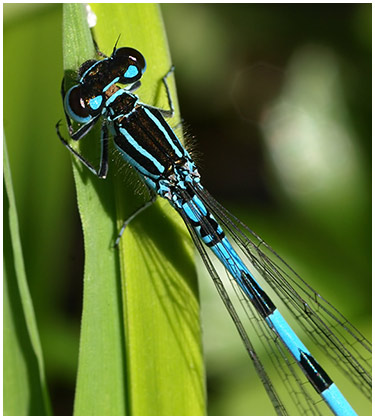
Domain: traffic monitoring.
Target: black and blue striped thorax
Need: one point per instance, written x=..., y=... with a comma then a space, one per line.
x=140, y=132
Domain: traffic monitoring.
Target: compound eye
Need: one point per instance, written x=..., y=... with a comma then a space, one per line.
x=75, y=105
x=132, y=64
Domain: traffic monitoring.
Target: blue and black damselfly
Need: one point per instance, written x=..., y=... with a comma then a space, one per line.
x=146, y=141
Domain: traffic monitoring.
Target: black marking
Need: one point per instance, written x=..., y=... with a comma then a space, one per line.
x=260, y=299
x=210, y=228
x=206, y=225
x=315, y=373
x=123, y=144
x=169, y=131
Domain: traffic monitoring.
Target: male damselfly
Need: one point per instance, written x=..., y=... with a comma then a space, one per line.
x=146, y=141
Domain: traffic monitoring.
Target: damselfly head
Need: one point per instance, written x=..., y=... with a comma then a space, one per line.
x=98, y=79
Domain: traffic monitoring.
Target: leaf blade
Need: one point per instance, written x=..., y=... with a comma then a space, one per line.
x=25, y=392
x=150, y=365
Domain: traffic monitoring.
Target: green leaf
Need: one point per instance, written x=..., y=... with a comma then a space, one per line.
x=140, y=349
x=43, y=184
x=25, y=388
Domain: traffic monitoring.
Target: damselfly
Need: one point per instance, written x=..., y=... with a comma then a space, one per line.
x=146, y=141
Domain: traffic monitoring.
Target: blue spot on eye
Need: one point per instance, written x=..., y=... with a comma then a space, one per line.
x=132, y=71
x=96, y=102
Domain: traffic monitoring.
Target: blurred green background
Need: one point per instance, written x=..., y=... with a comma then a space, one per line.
x=277, y=102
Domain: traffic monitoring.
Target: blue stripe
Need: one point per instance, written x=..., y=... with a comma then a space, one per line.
x=113, y=97
x=115, y=80
x=141, y=169
x=225, y=252
x=200, y=205
x=164, y=132
x=193, y=216
x=337, y=402
x=88, y=70
x=141, y=150
x=276, y=321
